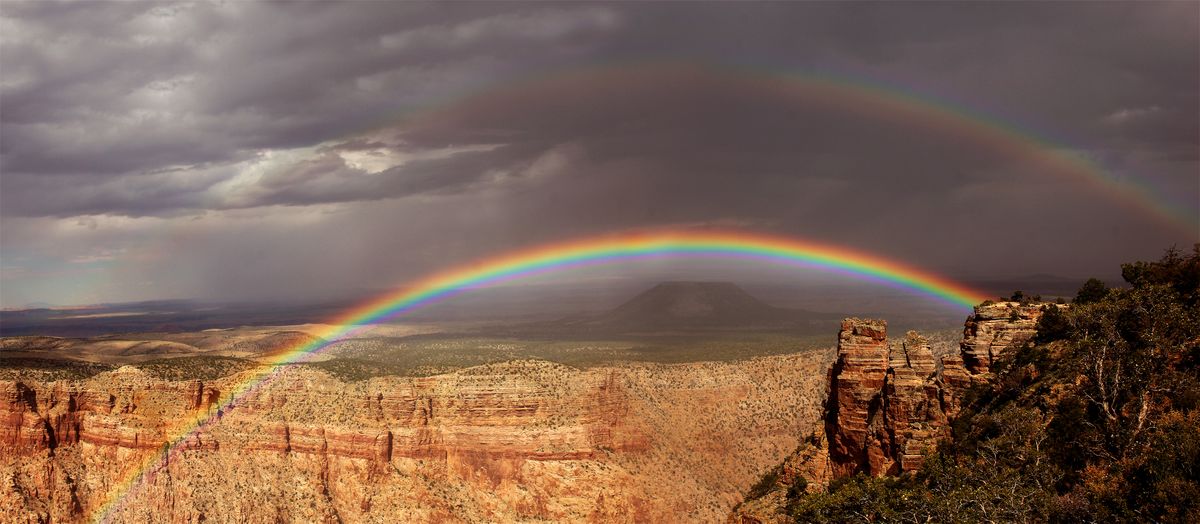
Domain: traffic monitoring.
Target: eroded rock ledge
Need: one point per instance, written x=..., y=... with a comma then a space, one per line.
x=522, y=440
x=887, y=408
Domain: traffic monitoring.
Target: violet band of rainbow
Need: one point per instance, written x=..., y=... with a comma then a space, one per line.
x=959, y=122
x=543, y=259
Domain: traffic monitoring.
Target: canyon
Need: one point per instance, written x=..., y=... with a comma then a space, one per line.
x=518, y=441
x=524, y=440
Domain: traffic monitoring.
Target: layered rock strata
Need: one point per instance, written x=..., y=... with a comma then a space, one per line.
x=887, y=409
x=505, y=442
x=993, y=329
x=856, y=381
x=914, y=410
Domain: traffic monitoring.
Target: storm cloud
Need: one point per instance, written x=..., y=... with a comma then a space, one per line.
x=254, y=149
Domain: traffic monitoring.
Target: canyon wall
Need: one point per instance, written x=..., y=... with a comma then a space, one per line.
x=518, y=441
x=995, y=327
x=888, y=406
x=885, y=405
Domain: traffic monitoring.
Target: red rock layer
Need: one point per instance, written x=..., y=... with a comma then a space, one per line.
x=993, y=329
x=513, y=441
x=913, y=413
x=855, y=385
x=955, y=381
x=886, y=409
x=61, y=416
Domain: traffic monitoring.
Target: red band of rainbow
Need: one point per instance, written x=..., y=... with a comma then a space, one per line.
x=558, y=257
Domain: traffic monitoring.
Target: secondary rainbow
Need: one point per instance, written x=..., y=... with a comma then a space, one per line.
x=853, y=94
x=548, y=258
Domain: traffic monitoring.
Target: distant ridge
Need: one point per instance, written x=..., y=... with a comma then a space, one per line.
x=691, y=306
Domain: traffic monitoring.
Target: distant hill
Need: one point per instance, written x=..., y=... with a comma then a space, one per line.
x=692, y=306
x=1037, y=284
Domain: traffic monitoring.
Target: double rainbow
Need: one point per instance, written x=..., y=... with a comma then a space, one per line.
x=852, y=94
x=558, y=257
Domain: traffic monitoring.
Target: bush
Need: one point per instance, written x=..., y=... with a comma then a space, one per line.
x=1053, y=325
x=764, y=484
x=1092, y=291
x=1180, y=272
x=1094, y=421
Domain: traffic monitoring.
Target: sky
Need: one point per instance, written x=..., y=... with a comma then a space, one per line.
x=247, y=150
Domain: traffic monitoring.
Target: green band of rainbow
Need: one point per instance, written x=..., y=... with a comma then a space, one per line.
x=557, y=257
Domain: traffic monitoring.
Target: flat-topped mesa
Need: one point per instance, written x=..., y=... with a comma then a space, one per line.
x=993, y=329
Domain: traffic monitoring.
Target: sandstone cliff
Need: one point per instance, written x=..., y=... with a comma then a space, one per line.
x=856, y=382
x=995, y=327
x=885, y=405
x=888, y=407
x=520, y=441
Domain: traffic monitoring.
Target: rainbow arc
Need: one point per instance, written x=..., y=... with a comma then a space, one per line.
x=563, y=256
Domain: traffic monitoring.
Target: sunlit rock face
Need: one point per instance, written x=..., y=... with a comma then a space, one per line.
x=886, y=406
x=914, y=414
x=505, y=442
x=995, y=328
x=856, y=384
x=890, y=405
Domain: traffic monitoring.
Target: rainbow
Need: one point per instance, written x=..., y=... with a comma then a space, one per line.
x=861, y=95
x=550, y=258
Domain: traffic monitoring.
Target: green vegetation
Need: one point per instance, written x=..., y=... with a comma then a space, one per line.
x=1021, y=298
x=353, y=369
x=203, y=367
x=1095, y=421
x=1092, y=291
x=765, y=484
x=359, y=359
x=49, y=369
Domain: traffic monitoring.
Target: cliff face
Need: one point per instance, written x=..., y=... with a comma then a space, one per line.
x=517, y=441
x=856, y=382
x=889, y=407
x=914, y=409
x=993, y=328
x=885, y=407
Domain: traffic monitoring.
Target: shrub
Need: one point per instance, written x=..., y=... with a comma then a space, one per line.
x=1092, y=291
x=1094, y=421
x=1053, y=325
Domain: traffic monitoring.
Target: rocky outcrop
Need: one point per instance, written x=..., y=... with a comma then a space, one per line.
x=994, y=328
x=889, y=407
x=514, y=441
x=886, y=406
x=884, y=411
x=34, y=420
x=914, y=414
x=808, y=469
x=856, y=382
x=955, y=381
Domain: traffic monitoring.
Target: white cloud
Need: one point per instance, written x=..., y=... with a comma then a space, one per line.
x=545, y=24
x=1127, y=115
x=379, y=159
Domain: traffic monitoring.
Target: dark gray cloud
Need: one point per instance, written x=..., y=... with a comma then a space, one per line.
x=465, y=128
